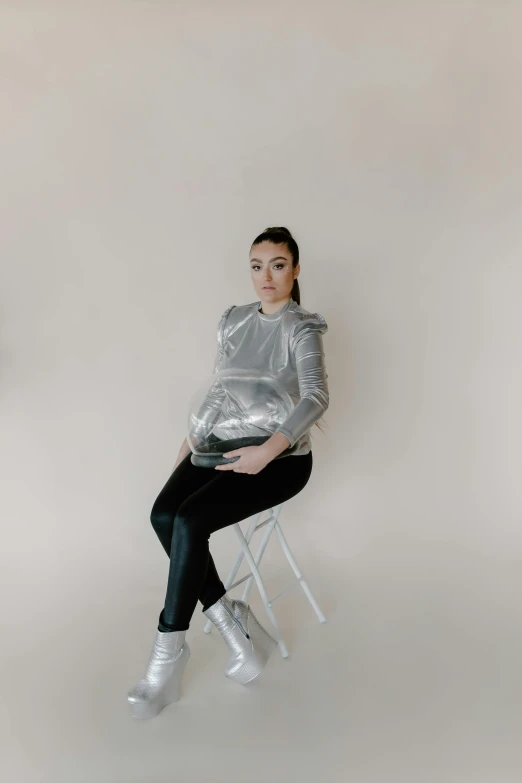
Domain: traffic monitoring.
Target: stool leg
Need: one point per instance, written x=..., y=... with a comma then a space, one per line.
x=297, y=572
x=259, y=554
x=261, y=587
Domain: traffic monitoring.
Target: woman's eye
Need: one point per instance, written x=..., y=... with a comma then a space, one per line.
x=256, y=267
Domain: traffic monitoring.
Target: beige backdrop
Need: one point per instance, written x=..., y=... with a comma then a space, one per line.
x=144, y=146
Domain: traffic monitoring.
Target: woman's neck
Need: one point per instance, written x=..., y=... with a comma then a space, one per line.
x=269, y=308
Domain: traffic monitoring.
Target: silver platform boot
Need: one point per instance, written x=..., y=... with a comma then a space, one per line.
x=162, y=682
x=249, y=643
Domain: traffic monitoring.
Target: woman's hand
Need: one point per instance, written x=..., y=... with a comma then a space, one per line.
x=252, y=459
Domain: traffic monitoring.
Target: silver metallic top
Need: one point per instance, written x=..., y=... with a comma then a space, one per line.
x=288, y=345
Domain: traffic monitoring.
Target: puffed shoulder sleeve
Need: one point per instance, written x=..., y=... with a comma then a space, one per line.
x=307, y=324
x=222, y=327
x=306, y=345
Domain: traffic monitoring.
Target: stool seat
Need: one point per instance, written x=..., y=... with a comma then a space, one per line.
x=271, y=523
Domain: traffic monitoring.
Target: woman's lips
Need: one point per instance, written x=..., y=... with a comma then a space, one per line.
x=268, y=288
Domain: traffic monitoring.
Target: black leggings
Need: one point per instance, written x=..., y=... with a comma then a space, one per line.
x=197, y=501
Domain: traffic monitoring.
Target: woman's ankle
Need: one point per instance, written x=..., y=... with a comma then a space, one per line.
x=213, y=601
x=164, y=628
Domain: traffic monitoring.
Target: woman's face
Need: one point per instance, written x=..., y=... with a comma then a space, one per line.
x=271, y=265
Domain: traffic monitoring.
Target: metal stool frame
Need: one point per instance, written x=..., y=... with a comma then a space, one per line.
x=271, y=523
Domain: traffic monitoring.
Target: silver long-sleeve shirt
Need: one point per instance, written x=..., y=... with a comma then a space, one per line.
x=288, y=345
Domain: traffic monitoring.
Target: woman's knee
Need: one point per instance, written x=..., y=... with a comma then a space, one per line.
x=161, y=519
x=188, y=526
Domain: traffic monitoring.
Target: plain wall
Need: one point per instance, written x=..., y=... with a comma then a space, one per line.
x=144, y=146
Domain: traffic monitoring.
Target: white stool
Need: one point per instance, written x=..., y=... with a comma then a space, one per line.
x=272, y=523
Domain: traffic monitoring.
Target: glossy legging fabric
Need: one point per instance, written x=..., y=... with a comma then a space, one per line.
x=196, y=502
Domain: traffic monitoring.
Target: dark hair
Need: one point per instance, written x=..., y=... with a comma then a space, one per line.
x=280, y=235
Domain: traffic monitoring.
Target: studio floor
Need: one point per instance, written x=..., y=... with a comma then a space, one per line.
x=412, y=678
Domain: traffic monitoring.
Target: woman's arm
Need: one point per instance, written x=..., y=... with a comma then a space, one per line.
x=205, y=417
x=203, y=420
x=307, y=346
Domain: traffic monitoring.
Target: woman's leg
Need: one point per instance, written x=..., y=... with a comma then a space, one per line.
x=228, y=497
x=184, y=481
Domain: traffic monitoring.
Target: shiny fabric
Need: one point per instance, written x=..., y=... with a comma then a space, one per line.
x=288, y=345
x=249, y=643
x=197, y=501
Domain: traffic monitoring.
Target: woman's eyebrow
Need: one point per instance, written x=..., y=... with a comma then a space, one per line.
x=276, y=258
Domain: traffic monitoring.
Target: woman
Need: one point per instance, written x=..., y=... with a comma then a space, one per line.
x=277, y=335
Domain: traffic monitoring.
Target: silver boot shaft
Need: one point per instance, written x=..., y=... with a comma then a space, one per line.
x=249, y=643
x=162, y=682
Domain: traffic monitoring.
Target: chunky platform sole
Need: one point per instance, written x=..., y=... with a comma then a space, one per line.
x=263, y=645
x=143, y=708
